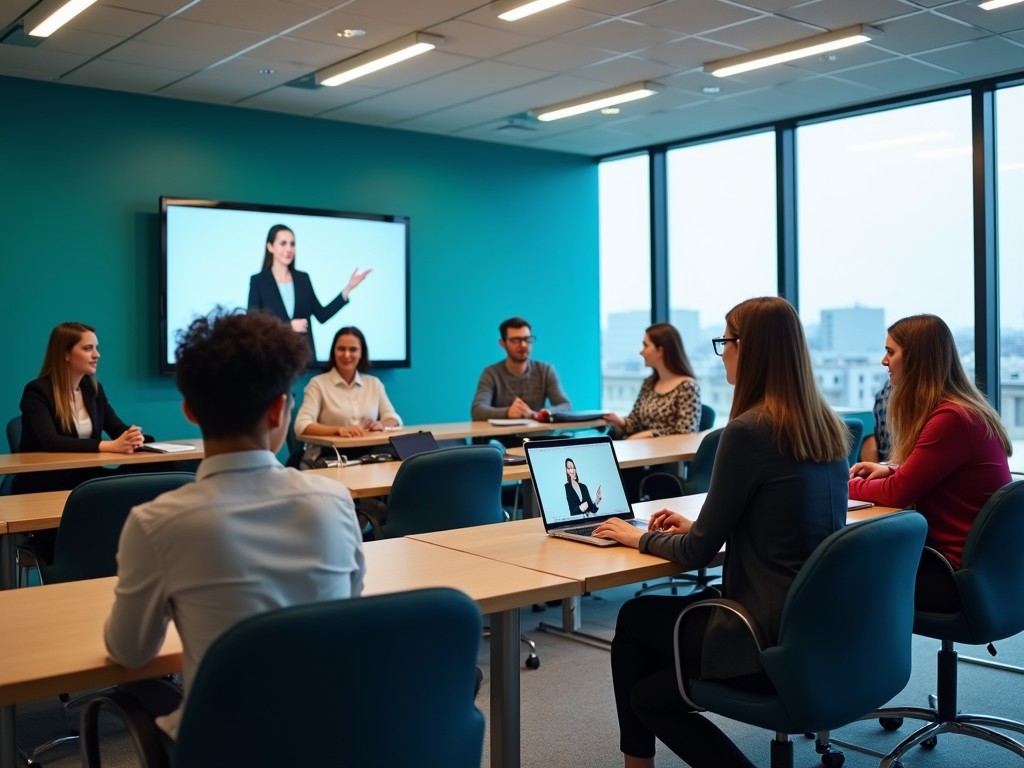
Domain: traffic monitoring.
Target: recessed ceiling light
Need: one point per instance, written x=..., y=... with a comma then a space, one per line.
x=352, y=33
x=610, y=111
x=268, y=71
x=711, y=90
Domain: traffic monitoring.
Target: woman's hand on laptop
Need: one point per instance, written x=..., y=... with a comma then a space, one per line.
x=619, y=530
x=667, y=521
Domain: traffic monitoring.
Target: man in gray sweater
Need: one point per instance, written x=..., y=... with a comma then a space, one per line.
x=517, y=387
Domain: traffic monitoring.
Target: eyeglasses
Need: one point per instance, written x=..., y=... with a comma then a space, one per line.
x=719, y=343
x=520, y=339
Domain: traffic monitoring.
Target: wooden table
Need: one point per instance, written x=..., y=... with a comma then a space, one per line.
x=454, y=430
x=58, y=645
x=15, y=463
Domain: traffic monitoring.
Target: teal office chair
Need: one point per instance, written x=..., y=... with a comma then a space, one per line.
x=87, y=538
x=856, y=427
x=439, y=490
x=990, y=584
x=296, y=682
x=665, y=485
x=13, y=446
x=457, y=487
x=827, y=670
x=707, y=417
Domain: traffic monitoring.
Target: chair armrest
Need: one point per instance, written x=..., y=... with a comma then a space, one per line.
x=756, y=635
x=938, y=560
x=365, y=516
x=151, y=744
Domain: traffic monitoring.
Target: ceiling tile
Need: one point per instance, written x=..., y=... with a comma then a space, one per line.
x=617, y=35
x=121, y=76
x=1000, y=20
x=693, y=17
x=836, y=14
x=984, y=57
x=924, y=31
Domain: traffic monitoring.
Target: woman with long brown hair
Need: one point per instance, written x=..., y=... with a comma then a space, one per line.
x=66, y=410
x=669, y=399
x=777, y=491
x=949, y=451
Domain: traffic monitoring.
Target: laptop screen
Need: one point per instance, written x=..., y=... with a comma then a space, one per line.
x=551, y=464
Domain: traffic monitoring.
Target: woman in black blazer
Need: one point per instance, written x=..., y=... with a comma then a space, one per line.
x=576, y=494
x=65, y=410
x=279, y=279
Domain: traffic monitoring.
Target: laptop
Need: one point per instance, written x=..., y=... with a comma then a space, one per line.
x=596, y=467
x=412, y=443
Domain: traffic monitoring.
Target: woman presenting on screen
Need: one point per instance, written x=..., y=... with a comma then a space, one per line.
x=283, y=291
x=577, y=496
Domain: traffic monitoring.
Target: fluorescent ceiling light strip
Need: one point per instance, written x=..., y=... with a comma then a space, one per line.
x=55, y=20
x=514, y=10
x=991, y=5
x=811, y=46
x=597, y=101
x=378, y=58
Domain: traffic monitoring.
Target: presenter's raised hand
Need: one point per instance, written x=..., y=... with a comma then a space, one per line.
x=597, y=499
x=354, y=281
x=300, y=325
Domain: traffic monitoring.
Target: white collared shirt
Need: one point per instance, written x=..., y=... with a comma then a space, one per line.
x=329, y=399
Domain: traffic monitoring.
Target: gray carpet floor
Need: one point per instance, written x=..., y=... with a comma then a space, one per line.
x=568, y=715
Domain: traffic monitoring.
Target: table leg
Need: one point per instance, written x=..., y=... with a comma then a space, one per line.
x=8, y=561
x=505, y=744
x=8, y=745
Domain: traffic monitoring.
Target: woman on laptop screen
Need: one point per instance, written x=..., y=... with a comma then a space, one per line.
x=345, y=401
x=577, y=496
x=778, y=489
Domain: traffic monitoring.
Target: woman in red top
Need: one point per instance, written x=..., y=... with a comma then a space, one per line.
x=949, y=448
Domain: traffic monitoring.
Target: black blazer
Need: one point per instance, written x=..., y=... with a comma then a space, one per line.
x=41, y=432
x=574, y=501
x=265, y=295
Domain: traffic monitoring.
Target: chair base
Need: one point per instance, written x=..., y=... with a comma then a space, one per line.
x=695, y=582
x=944, y=718
x=977, y=726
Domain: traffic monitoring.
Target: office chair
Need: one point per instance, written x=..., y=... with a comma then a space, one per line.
x=13, y=446
x=856, y=427
x=827, y=670
x=87, y=538
x=455, y=487
x=990, y=584
x=664, y=485
x=315, y=700
x=707, y=417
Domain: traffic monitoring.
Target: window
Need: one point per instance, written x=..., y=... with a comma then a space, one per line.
x=625, y=242
x=1010, y=189
x=722, y=245
x=885, y=230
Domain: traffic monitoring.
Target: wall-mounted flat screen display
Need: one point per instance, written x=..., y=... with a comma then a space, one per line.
x=216, y=254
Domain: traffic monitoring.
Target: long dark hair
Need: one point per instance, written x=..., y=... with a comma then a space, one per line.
x=774, y=377
x=63, y=339
x=931, y=374
x=666, y=337
x=271, y=237
x=364, y=360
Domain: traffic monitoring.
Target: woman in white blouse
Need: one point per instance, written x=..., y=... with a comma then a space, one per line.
x=345, y=401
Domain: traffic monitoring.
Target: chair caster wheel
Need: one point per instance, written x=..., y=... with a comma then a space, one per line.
x=891, y=723
x=533, y=661
x=833, y=759
x=929, y=743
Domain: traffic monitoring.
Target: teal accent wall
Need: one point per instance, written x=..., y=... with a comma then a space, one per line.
x=496, y=231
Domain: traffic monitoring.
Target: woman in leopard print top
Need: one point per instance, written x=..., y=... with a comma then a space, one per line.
x=669, y=400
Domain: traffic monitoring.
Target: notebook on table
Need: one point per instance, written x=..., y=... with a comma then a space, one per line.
x=596, y=467
x=569, y=417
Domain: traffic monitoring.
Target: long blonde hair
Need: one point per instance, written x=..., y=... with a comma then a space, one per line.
x=931, y=374
x=774, y=378
x=63, y=339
